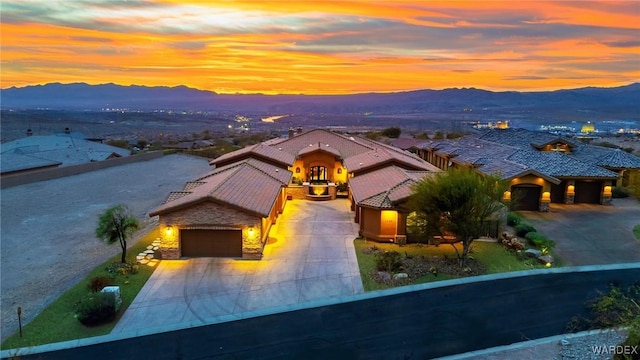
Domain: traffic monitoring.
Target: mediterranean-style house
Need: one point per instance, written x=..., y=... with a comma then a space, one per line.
x=229, y=211
x=542, y=167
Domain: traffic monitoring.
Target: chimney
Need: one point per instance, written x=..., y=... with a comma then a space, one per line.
x=67, y=130
x=291, y=133
x=29, y=132
x=299, y=130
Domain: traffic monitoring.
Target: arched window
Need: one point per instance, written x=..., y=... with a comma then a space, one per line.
x=298, y=170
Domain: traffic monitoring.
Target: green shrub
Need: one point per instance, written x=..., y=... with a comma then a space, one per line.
x=513, y=219
x=388, y=261
x=539, y=241
x=97, y=308
x=523, y=229
x=633, y=340
x=99, y=282
x=619, y=192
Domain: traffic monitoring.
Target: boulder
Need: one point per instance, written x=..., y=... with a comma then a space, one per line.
x=384, y=275
x=401, y=276
x=545, y=259
x=533, y=253
x=115, y=290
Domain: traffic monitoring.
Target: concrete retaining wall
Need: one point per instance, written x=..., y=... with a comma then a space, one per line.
x=421, y=321
x=48, y=174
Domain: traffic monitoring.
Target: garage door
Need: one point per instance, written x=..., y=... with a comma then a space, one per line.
x=588, y=192
x=526, y=197
x=211, y=243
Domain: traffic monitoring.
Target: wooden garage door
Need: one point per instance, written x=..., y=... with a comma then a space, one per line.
x=526, y=197
x=588, y=192
x=211, y=243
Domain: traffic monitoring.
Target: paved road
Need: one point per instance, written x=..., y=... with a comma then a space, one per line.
x=47, y=233
x=309, y=256
x=588, y=234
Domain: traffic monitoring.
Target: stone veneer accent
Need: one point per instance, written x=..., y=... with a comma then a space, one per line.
x=605, y=199
x=569, y=199
x=207, y=215
x=544, y=206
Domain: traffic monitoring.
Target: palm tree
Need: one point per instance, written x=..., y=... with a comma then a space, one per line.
x=117, y=224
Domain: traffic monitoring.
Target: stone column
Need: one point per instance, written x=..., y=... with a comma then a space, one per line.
x=544, y=206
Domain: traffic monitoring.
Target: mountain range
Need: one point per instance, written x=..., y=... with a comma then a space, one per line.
x=81, y=96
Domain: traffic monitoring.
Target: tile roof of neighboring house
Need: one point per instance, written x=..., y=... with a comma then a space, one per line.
x=512, y=153
x=559, y=165
x=405, y=143
x=606, y=157
x=250, y=185
x=11, y=162
x=260, y=151
x=385, y=187
x=522, y=137
x=65, y=149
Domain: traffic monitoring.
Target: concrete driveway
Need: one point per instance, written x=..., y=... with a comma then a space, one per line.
x=309, y=256
x=588, y=234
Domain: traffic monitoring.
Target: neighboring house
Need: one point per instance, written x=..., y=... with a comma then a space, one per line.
x=65, y=149
x=229, y=212
x=543, y=168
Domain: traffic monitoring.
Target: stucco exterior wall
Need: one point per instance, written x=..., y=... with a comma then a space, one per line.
x=381, y=225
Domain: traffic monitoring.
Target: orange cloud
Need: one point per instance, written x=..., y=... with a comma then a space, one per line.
x=322, y=48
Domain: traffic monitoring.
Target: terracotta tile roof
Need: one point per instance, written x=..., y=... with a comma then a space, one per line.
x=250, y=185
x=261, y=150
x=559, y=165
x=383, y=154
x=405, y=143
x=385, y=187
x=345, y=146
x=319, y=147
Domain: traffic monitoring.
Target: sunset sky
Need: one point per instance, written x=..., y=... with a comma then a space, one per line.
x=321, y=47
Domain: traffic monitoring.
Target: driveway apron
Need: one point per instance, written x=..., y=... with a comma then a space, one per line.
x=309, y=255
x=587, y=234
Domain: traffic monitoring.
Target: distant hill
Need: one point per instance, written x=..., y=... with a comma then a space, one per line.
x=81, y=96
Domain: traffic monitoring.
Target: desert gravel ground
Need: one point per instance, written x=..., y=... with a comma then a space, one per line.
x=47, y=229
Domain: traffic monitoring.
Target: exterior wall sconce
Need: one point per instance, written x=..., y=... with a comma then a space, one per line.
x=339, y=170
x=251, y=232
x=298, y=170
x=168, y=230
x=506, y=196
x=571, y=190
x=546, y=196
x=607, y=190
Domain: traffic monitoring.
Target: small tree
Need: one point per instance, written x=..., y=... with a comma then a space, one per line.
x=392, y=132
x=459, y=201
x=117, y=224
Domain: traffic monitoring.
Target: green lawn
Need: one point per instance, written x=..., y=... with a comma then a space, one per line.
x=494, y=256
x=57, y=323
x=636, y=231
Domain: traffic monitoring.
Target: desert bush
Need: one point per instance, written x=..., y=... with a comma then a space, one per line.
x=539, y=241
x=633, y=340
x=513, y=219
x=523, y=229
x=97, y=308
x=388, y=261
x=99, y=282
x=619, y=192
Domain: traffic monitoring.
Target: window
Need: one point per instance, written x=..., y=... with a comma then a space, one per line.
x=318, y=173
x=298, y=170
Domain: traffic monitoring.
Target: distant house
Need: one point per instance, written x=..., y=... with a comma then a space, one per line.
x=65, y=149
x=543, y=168
x=229, y=211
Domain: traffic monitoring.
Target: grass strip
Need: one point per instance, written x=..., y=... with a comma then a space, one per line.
x=57, y=322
